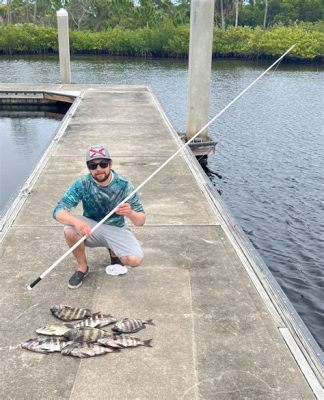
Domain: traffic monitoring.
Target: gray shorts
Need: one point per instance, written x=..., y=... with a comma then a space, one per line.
x=120, y=240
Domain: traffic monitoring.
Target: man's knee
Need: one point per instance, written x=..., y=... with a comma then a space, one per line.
x=132, y=261
x=71, y=234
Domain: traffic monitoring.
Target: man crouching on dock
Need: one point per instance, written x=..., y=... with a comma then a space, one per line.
x=100, y=192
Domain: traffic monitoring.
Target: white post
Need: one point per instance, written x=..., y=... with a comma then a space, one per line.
x=64, y=45
x=200, y=57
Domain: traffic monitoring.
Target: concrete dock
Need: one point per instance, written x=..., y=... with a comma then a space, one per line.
x=216, y=337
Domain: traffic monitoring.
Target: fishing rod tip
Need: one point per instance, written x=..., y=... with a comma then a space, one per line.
x=29, y=288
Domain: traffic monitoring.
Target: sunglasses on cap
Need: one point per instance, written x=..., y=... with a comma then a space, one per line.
x=102, y=164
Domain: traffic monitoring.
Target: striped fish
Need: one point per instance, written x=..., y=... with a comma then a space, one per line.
x=127, y=325
x=54, y=330
x=84, y=350
x=124, y=341
x=90, y=335
x=68, y=313
x=44, y=345
x=97, y=320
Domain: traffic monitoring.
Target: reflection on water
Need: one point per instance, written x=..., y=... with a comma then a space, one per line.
x=270, y=153
x=22, y=144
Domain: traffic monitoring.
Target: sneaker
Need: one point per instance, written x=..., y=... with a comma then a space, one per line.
x=115, y=259
x=76, y=279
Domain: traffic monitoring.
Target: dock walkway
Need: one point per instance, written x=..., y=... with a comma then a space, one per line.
x=214, y=338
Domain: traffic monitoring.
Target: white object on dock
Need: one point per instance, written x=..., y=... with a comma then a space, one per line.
x=116, y=269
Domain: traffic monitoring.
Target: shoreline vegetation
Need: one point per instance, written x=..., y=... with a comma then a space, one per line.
x=169, y=41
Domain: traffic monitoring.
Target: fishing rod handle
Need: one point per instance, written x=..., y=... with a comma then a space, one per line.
x=34, y=283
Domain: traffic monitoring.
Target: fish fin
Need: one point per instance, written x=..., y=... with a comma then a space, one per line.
x=147, y=343
x=149, y=322
x=105, y=323
x=101, y=325
x=112, y=320
x=69, y=325
x=105, y=315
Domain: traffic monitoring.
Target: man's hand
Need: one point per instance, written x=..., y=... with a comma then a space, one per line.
x=65, y=217
x=83, y=228
x=124, y=209
x=137, y=218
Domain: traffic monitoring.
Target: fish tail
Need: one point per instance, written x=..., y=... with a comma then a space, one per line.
x=147, y=343
x=88, y=312
x=149, y=322
x=96, y=314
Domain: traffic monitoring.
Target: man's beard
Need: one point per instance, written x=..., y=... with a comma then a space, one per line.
x=100, y=180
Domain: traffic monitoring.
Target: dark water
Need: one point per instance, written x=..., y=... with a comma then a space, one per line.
x=270, y=153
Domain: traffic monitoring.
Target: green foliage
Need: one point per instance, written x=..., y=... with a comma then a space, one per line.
x=309, y=44
x=248, y=42
x=116, y=41
x=152, y=42
x=286, y=12
x=86, y=42
x=233, y=41
x=100, y=15
x=317, y=26
x=168, y=40
x=27, y=38
x=178, y=44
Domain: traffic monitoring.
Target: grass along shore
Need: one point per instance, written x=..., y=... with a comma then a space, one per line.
x=170, y=41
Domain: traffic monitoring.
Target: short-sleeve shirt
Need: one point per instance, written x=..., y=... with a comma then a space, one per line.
x=98, y=201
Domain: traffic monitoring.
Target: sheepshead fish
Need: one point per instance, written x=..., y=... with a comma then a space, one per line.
x=90, y=335
x=44, y=345
x=68, y=313
x=97, y=320
x=54, y=330
x=127, y=325
x=124, y=341
x=84, y=350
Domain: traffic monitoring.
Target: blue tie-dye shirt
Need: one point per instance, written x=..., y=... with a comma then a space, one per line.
x=98, y=200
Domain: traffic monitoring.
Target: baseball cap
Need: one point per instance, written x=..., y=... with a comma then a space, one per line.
x=96, y=151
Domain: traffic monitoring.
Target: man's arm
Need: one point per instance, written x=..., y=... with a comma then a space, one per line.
x=62, y=212
x=137, y=218
x=67, y=218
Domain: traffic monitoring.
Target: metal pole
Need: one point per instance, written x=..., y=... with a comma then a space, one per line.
x=200, y=57
x=64, y=45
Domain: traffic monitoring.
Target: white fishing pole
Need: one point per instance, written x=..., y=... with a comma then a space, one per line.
x=29, y=287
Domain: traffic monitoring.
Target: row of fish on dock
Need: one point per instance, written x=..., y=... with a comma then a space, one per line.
x=80, y=334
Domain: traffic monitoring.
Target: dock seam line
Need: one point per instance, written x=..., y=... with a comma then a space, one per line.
x=194, y=347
